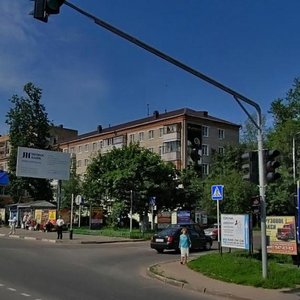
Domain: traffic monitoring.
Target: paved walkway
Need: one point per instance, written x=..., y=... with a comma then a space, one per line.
x=170, y=272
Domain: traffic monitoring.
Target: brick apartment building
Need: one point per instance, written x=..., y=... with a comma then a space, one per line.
x=172, y=135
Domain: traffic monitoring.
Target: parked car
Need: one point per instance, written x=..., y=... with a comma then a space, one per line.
x=212, y=231
x=168, y=239
x=189, y=226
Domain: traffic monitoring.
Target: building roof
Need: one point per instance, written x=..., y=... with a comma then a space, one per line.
x=154, y=118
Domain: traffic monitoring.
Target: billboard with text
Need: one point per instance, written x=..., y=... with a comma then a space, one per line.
x=37, y=163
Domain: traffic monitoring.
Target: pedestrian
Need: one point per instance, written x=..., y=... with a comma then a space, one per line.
x=184, y=245
x=12, y=224
x=59, y=227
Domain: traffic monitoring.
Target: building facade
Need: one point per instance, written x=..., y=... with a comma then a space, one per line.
x=174, y=135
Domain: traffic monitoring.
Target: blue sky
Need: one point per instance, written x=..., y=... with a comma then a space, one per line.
x=90, y=76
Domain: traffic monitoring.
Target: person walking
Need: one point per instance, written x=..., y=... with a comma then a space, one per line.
x=59, y=223
x=13, y=224
x=184, y=245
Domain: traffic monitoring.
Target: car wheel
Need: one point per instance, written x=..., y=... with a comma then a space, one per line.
x=160, y=250
x=207, y=246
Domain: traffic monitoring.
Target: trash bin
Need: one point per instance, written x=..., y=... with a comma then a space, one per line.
x=71, y=234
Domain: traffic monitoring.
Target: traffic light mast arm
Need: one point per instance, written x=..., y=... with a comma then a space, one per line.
x=217, y=84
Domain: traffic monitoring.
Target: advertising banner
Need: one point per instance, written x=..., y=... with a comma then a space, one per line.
x=183, y=216
x=97, y=217
x=164, y=219
x=281, y=232
x=235, y=231
x=37, y=163
x=194, y=141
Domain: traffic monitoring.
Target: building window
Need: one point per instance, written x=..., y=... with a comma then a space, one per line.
x=221, y=150
x=80, y=149
x=151, y=149
x=78, y=163
x=205, y=151
x=72, y=150
x=86, y=162
x=94, y=146
x=171, y=147
x=118, y=140
x=131, y=138
x=205, y=131
x=150, y=134
x=65, y=150
x=170, y=128
x=161, y=132
x=205, y=169
x=141, y=136
x=221, y=134
x=86, y=147
x=101, y=144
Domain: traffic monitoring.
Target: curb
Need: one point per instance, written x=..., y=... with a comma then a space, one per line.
x=185, y=285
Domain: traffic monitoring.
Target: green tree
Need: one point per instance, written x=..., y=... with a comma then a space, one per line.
x=112, y=176
x=71, y=186
x=226, y=170
x=287, y=108
x=28, y=127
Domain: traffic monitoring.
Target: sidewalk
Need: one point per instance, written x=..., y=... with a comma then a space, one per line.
x=181, y=276
x=51, y=237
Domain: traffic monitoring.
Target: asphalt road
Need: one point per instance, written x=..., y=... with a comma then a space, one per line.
x=41, y=271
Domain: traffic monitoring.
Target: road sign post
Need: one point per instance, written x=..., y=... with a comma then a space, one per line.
x=217, y=194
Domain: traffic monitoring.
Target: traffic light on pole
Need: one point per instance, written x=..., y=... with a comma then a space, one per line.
x=271, y=165
x=44, y=8
x=250, y=166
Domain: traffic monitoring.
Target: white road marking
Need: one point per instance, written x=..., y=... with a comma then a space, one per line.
x=25, y=295
x=11, y=289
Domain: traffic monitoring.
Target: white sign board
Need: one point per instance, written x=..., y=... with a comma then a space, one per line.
x=235, y=231
x=46, y=164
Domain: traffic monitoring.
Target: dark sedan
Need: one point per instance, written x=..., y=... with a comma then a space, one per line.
x=168, y=239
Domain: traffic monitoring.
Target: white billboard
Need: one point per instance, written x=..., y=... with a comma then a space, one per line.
x=46, y=164
x=235, y=231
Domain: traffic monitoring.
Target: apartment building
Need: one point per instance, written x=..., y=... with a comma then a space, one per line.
x=172, y=135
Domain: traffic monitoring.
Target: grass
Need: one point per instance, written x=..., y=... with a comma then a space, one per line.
x=241, y=268
x=120, y=232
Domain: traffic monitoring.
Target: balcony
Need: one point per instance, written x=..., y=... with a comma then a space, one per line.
x=171, y=156
x=172, y=136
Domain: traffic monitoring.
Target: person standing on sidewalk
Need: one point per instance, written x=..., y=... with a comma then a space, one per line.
x=59, y=224
x=184, y=245
x=13, y=224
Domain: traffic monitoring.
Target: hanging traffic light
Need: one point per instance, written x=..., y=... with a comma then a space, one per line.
x=44, y=8
x=250, y=166
x=271, y=165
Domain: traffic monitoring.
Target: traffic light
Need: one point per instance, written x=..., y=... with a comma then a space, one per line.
x=271, y=165
x=44, y=8
x=250, y=166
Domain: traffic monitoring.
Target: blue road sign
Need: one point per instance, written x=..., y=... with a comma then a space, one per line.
x=217, y=192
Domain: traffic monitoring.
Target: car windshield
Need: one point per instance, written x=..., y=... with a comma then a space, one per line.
x=168, y=231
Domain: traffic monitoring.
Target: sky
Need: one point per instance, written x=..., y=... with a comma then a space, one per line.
x=90, y=76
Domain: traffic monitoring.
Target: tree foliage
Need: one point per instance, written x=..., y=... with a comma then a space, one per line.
x=113, y=175
x=28, y=127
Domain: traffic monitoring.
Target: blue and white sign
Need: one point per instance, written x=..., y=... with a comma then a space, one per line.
x=217, y=192
x=152, y=201
x=235, y=231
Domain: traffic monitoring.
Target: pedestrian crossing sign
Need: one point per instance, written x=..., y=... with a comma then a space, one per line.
x=217, y=192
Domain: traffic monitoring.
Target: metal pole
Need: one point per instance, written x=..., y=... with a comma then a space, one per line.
x=218, y=222
x=236, y=95
x=131, y=195
x=262, y=192
x=79, y=217
x=294, y=160
x=71, y=218
x=298, y=209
